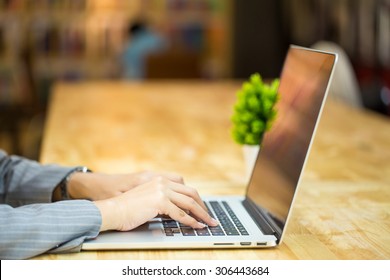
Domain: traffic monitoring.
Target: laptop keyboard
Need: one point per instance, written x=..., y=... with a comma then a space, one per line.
x=229, y=224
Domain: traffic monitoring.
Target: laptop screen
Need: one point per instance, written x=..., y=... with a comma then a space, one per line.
x=303, y=84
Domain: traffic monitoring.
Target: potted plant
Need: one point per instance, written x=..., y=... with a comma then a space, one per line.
x=253, y=114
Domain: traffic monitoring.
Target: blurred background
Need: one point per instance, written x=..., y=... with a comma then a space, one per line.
x=45, y=41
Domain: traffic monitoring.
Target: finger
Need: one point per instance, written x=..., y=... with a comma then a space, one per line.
x=188, y=203
x=181, y=216
x=173, y=177
x=149, y=175
x=190, y=192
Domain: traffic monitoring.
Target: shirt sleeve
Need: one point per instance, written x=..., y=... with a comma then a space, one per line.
x=29, y=223
x=30, y=230
x=24, y=181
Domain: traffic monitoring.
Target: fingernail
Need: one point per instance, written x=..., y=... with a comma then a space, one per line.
x=214, y=222
x=201, y=225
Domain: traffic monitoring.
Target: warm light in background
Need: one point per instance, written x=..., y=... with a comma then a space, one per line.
x=45, y=41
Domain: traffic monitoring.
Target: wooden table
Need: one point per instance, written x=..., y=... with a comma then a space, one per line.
x=342, y=209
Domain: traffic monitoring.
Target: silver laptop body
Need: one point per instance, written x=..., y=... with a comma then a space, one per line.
x=259, y=219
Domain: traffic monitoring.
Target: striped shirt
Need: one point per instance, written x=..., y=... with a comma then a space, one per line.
x=29, y=223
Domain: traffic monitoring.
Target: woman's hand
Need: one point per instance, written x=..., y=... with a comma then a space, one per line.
x=98, y=186
x=159, y=196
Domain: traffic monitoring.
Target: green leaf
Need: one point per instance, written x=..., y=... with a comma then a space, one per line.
x=267, y=107
x=251, y=139
x=256, y=79
x=248, y=88
x=240, y=106
x=236, y=118
x=239, y=138
x=275, y=85
x=242, y=128
x=247, y=117
x=254, y=104
x=258, y=126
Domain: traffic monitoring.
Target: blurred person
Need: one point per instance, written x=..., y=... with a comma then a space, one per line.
x=142, y=41
x=51, y=208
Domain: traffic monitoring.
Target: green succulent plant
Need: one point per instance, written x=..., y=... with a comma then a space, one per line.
x=254, y=110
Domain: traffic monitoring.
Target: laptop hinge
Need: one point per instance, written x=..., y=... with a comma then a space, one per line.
x=263, y=219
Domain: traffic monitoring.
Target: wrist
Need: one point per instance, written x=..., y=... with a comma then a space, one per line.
x=79, y=185
x=62, y=190
x=91, y=186
x=107, y=210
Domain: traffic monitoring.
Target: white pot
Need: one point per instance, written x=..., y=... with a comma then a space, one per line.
x=250, y=155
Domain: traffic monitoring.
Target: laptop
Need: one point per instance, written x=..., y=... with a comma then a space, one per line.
x=258, y=219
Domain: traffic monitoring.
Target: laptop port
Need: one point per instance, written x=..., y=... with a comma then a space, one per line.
x=261, y=243
x=245, y=243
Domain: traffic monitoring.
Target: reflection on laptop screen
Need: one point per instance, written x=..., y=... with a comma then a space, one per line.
x=303, y=85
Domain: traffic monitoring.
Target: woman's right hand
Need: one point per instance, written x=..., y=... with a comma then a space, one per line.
x=159, y=196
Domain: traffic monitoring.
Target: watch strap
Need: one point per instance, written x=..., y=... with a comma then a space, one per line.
x=64, y=183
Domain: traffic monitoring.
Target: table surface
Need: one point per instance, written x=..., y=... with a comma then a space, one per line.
x=342, y=208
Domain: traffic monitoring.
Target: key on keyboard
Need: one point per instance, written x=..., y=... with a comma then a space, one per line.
x=229, y=224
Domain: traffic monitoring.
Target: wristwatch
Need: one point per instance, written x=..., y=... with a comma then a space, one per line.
x=64, y=183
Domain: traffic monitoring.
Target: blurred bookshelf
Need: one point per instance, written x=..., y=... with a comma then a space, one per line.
x=43, y=41
x=83, y=39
